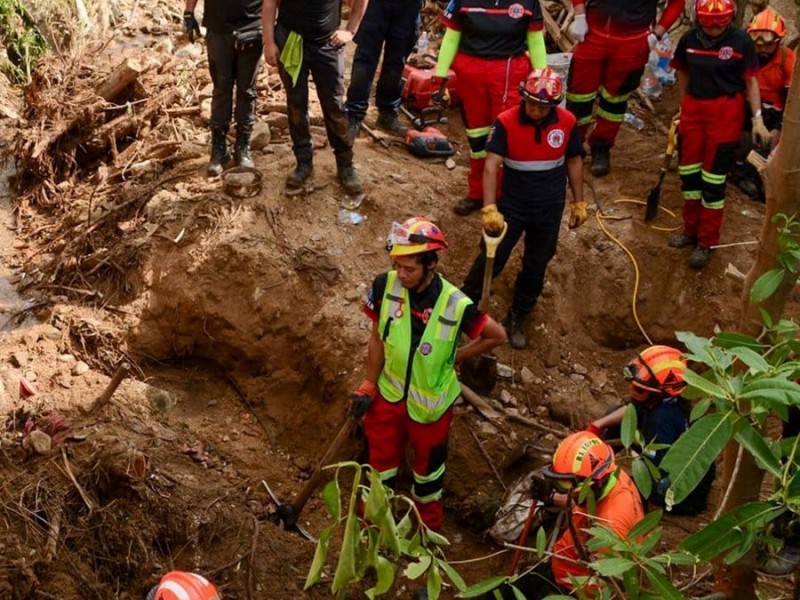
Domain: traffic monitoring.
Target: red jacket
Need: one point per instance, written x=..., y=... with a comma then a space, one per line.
x=775, y=77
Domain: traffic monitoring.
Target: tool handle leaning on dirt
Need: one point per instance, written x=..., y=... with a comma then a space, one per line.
x=654, y=197
x=121, y=373
x=371, y=132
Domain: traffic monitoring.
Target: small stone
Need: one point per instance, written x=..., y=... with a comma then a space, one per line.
x=277, y=120
x=260, y=137
x=450, y=164
x=507, y=398
x=80, y=368
x=487, y=429
x=551, y=357
x=49, y=332
x=31, y=376
x=527, y=375
x=40, y=442
x=538, y=381
x=579, y=369
x=212, y=403
x=226, y=438
x=576, y=377
x=302, y=463
x=19, y=358
x=457, y=538
x=66, y=358
x=504, y=371
x=352, y=295
x=542, y=412
x=205, y=110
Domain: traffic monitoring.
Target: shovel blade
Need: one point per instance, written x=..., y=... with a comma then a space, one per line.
x=480, y=373
x=653, y=199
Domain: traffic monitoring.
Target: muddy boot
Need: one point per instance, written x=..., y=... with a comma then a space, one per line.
x=219, y=152
x=681, y=240
x=300, y=176
x=349, y=179
x=241, y=150
x=700, y=257
x=515, y=329
x=389, y=123
x=467, y=206
x=601, y=159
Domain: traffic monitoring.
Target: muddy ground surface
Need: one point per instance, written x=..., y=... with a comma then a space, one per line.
x=241, y=320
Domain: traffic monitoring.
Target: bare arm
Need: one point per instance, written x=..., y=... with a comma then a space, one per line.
x=189, y=5
x=490, y=168
x=344, y=36
x=610, y=420
x=375, y=356
x=268, y=11
x=575, y=177
x=683, y=83
x=492, y=336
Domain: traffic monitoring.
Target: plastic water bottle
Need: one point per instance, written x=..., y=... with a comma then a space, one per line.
x=634, y=121
x=660, y=58
x=423, y=43
x=650, y=84
x=350, y=217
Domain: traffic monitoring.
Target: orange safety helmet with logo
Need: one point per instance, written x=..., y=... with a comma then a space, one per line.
x=659, y=370
x=767, y=27
x=580, y=456
x=415, y=236
x=715, y=13
x=180, y=585
x=543, y=87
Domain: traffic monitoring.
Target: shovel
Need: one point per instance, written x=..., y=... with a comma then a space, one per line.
x=289, y=514
x=654, y=197
x=481, y=373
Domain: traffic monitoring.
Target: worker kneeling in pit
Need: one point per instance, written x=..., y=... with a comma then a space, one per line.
x=539, y=146
x=581, y=459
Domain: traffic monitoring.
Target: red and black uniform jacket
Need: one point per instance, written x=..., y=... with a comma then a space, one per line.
x=628, y=17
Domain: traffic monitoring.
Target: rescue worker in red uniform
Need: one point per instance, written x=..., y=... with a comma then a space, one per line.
x=181, y=585
x=581, y=459
x=538, y=146
x=716, y=65
x=485, y=43
x=767, y=30
x=608, y=62
x=410, y=383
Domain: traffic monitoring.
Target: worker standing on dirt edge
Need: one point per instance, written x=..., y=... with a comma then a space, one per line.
x=410, y=383
x=307, y=40
x=767, y=30
x=234, y=51
x=392, y=25
x=716, y=63
x=485, y=42
x=181, y=585
x=580, y=459
x=614, y=39
x=539, y=147
x=657, y=379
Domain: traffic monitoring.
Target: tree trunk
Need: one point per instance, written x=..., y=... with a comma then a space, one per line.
x=782, y=185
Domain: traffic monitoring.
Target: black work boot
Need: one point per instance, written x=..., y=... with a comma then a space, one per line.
x=349, y=179
x=681, y=240
x=467, y=206
x=601, y=158
x=700, y=257
x=515, y=329
x=388, y=122
x=241, y=150
x=219, y=152
x=301, y=174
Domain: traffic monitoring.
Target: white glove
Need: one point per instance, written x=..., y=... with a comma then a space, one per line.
x=579, y=28
x=652, y=40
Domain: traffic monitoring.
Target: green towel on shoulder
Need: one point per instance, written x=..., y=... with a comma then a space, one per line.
x=292, y=55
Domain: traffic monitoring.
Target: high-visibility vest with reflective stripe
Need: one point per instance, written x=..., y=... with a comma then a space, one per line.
x=430, y=385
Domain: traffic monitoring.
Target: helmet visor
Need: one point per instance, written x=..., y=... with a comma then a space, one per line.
x=763, y=37
x=722, y=20
x=543, y=90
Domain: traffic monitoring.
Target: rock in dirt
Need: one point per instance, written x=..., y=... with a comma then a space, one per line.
x=504, y=371
x=261, y=136
x=352, y=295
x=66, y=358
x=19, y=359
x=39, y=442
x=579, y=369
x=507, y=398
x=159, y=400
x=302, y=463
x=31, y=376
x=48, y=332
x=277, y=120
x=80, y=368
x=551, y=357
x=527, y=375
x=205, y=110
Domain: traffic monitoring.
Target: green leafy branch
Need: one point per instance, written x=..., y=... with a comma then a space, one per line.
x=788, y=258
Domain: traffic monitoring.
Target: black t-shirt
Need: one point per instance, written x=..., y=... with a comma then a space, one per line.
x=315, y=20
x=422, y=305
x=226, y=16
x=493, y=28
x=719, y=67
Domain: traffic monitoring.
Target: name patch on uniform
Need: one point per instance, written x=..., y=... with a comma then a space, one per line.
x=516, y=11
x=556, y=138
x=425, y=349
x=725, y=53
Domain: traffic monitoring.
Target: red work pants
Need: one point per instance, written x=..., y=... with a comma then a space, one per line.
x=709, y=135
x=388, y=430
x=611, y=66
x=486, y=87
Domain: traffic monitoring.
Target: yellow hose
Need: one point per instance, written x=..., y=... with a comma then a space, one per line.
x=600, y=217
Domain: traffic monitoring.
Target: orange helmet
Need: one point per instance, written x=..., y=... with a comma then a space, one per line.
x=415, y=236
x=767, y=26
x=581, y=456
x=180, y=585
x=658, y=369
x=715, y=13
x=543, y=87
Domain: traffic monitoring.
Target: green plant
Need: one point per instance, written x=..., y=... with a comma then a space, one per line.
x=788, y=258
x=23, y=43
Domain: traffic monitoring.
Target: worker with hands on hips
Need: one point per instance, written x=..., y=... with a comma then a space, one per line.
x=485, y=43
x=614, y=39
x=410, y=383
x=538, y=145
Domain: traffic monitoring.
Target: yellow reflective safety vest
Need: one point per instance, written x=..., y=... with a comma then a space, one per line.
x=429, y=383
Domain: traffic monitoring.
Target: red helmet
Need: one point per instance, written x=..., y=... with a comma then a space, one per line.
x=180, y=585
x=715, y=13
x=581, y=456
x=659, y=369
x=542, y=86
x=767, y=26
x=415, y=236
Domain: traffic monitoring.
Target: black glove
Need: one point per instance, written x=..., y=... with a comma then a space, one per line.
x=359, y=403
x=540, y=488
x=190, y=26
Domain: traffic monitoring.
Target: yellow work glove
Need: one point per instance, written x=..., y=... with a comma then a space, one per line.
x=761, y=137
x=493, y=220
x=577, y=214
